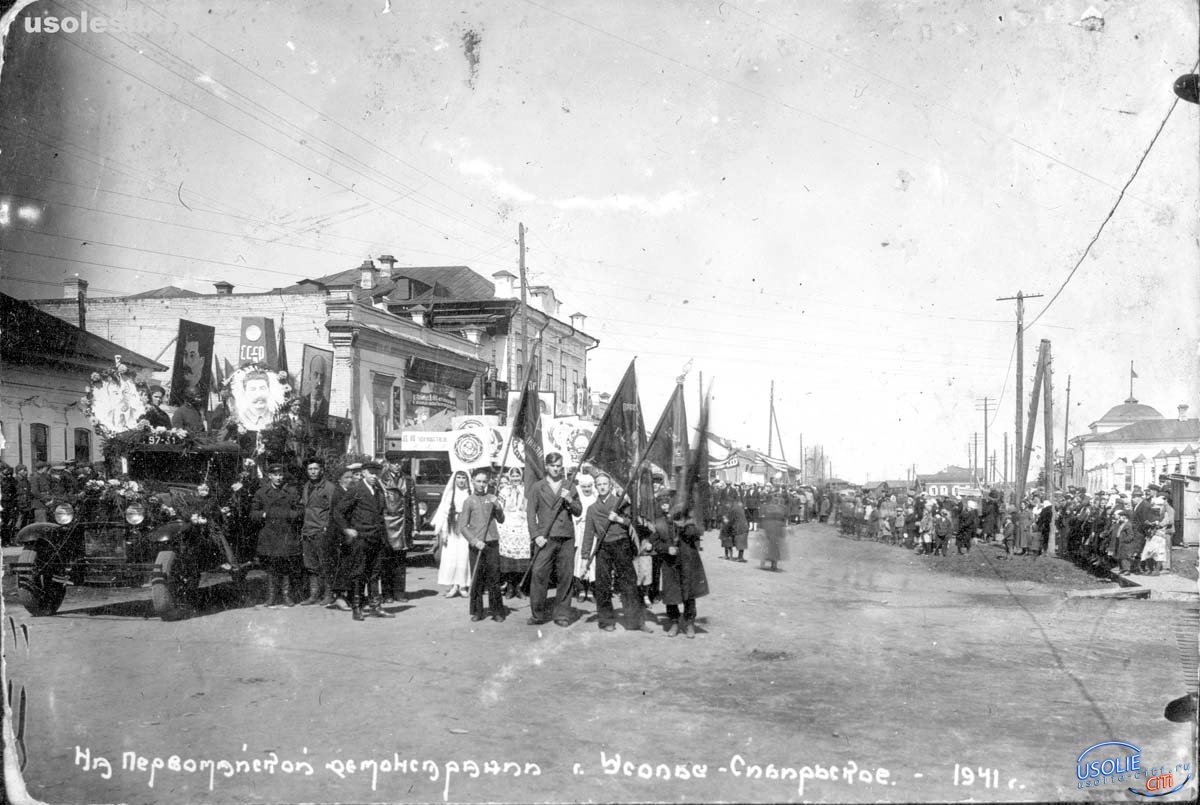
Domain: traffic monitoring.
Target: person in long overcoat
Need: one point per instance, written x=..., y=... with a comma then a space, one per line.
x=990, y=518
x=735, y=530
x=676, y=540
x=774, y=526
x=277, y=506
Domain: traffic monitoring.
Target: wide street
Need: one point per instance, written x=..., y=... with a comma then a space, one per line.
x=857, y=674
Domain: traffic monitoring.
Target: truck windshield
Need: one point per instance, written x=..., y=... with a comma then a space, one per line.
x=432, y=471
x=174, y=468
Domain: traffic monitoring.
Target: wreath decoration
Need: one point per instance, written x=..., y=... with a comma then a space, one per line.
x=113, y=400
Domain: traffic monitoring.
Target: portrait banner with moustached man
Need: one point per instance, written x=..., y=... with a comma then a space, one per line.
x=191, y=375
x=315, y=383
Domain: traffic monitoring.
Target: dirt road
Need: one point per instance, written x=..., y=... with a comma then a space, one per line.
x=859, y=673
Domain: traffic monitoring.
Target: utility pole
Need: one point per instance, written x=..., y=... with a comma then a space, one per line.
x=771, y=421
x=803, y=469
x=1048, y=428
x=1027, y=449
x=986, y=400
x=1020, y=429
x=526, y=358
x=1066, y=430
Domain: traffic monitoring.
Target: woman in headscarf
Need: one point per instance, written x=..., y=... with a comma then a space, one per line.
x=514, y=535
x=454, y=570
x=585, y=574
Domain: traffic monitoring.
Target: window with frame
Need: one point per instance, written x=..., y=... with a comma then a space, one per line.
x=39, y=442
x=83, y=445
x=562, y=383
x=549, y=376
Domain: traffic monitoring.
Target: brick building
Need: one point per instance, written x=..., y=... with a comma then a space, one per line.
x=407, y=345
x=454, y=299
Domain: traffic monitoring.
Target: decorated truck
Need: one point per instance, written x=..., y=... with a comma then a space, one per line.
x=169, y=504
x=169, y=519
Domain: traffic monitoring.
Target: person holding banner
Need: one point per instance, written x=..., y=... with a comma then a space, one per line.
x=480, y=514
x=454, y=569
x=549, y=509
x=606, y=540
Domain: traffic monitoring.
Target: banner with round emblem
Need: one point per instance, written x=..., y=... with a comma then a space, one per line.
x=471, y=448
x=569, y=436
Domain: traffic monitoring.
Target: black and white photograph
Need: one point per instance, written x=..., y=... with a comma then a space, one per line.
x=276, y=278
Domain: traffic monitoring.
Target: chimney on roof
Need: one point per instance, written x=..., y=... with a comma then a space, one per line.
x=418, y=315
x=223, y=288
x=368, y=274
x=578, y=320
x=504, y=285
x=389, y=263
x=1183, y=409
x=76, y=288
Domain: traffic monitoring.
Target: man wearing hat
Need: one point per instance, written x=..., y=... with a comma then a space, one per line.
x=358, y=520
x=155, y=415
x=40, y=492
x=1141, y=521
x=317, y=500
x=399, y=520
x=277, y=506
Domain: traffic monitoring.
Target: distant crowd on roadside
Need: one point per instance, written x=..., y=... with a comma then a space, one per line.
x=1126, y=532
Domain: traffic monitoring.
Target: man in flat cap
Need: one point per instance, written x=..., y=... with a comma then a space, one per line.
x=358, y=516
x=277, y=506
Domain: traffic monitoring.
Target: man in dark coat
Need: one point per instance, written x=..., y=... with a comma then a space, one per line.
x=317, y=500
x=399, y=519
x=606, y=538
x=683, y=578
x=358, y=515
x=8, y=499
x=549, y=511
x=277, y=506
x=968, y=526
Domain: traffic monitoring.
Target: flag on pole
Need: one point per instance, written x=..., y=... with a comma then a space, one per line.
x=695, y=492
x=283, y=360
x=620, y=437
x=527, y=427
x=1132, y=373
x=664, y=448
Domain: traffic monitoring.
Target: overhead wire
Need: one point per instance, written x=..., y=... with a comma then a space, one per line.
x=1087, y=249
x=255, y=140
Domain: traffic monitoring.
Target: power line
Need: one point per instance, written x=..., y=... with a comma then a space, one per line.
x=253, y=139
x=1108, y=217
x=318, y=112
x=908, y=90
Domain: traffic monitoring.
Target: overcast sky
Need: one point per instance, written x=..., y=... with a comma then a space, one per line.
x=830, y=195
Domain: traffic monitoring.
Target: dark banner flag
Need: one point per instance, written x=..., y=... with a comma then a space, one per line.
x=696, y=489
x=668, y=445
x=527, y=427
x=662, y=451
x=620, y=437
x=191, y=375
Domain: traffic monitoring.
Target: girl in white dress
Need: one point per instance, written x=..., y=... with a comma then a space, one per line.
x=454, y=570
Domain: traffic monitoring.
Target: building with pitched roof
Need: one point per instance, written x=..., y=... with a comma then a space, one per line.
x=1133, y=445
x=46, y=366
x=404, y=345
x=455, y=299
